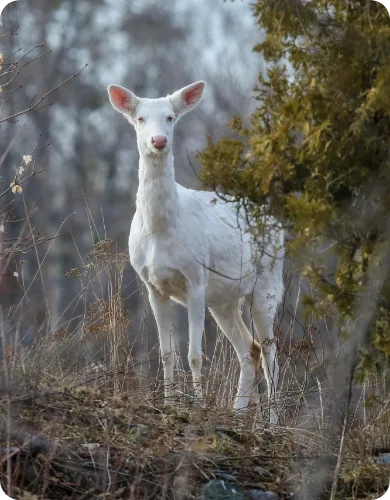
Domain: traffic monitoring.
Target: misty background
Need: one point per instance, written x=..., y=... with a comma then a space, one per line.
x=87, y=190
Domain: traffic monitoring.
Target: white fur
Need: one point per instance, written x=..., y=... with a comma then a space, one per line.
x=195, y=251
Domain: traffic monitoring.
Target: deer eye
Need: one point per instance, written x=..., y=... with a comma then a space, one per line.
x=170, y=119
x=141, y=120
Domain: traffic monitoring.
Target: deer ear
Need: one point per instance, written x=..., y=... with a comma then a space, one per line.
x=187, y=98
x=122, y=99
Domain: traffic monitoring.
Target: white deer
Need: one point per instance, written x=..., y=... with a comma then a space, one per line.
x=191, y=248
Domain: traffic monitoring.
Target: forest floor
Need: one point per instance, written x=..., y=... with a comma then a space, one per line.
x=92, y=442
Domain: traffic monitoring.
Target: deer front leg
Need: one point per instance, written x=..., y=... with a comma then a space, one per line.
x=162, y=310
x=196, y=317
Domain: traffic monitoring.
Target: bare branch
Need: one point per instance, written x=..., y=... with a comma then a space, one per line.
x=10, y=32
x=31, y=108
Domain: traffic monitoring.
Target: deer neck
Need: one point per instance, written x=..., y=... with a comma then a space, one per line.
x=157, y=197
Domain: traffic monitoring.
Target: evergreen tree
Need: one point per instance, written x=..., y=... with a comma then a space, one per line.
x=316, y=154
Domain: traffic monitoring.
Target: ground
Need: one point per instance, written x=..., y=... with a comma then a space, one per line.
x=88, y=442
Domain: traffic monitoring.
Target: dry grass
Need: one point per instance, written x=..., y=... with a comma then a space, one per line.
x=81, y=419
x=93, y=443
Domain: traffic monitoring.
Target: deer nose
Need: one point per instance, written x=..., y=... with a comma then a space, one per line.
x=159, y=141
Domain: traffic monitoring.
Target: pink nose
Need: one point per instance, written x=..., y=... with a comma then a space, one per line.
x=159, y=141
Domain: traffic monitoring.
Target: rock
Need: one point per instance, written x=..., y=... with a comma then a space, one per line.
x=225, y=475
x=263, y=472
x=140, y=431
x=37, y=443
x=91, y=446
x=262, y=495
x=384, y=459
x=218, y=489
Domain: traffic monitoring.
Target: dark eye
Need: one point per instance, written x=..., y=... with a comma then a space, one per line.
x=170, y=119
x=141, y=120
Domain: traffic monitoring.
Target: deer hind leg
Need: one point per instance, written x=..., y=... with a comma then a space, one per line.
x=230, y=321
x=263, y=313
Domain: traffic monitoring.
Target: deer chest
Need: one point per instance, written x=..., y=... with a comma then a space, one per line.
x=157, y=267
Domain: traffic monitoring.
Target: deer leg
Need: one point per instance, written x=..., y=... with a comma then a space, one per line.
x=162, y=310
x=196, y=316
x=231, y=323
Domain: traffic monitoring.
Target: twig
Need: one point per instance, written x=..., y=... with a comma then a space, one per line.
x=31, y=108
x=9, y=32
x=342, y=440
